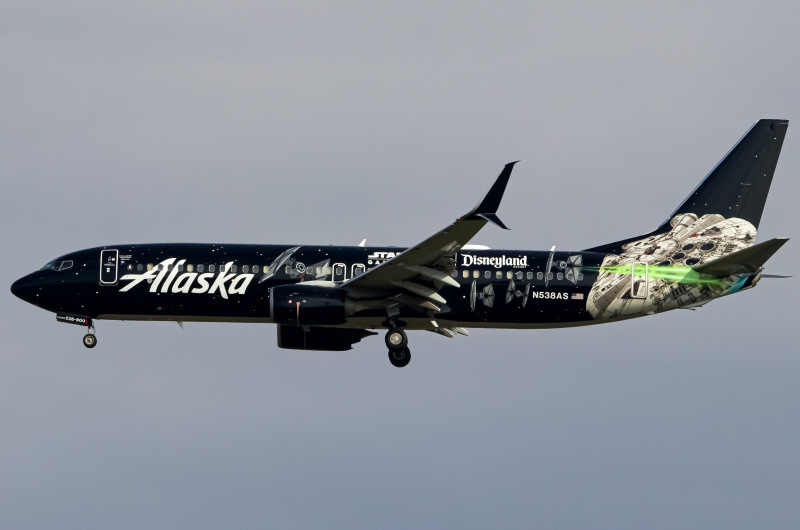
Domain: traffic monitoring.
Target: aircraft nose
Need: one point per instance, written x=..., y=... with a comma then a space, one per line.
x=25, y=288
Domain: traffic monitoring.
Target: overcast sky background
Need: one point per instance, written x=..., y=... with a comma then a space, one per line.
x=326, y=122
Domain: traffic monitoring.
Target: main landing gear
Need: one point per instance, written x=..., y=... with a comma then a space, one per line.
x=397, y=342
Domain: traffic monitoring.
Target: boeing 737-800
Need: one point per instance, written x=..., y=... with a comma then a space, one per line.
x=331, y=297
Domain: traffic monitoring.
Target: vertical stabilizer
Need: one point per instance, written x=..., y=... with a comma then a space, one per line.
x=739, y=184
x=737, y=187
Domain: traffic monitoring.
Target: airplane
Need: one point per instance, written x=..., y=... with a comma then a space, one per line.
x=331, y=297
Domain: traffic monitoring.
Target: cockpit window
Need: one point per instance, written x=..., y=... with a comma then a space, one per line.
x=58, y=265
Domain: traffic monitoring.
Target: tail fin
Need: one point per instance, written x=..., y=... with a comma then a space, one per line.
x=736, y=187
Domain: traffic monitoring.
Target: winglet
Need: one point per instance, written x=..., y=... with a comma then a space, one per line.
x=487, y=208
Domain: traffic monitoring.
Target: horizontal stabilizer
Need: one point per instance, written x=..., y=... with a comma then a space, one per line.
x=750, y=259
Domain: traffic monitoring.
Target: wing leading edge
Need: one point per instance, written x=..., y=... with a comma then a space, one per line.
x=414, y=277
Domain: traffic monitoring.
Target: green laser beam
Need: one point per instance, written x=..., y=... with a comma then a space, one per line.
x=674, y=273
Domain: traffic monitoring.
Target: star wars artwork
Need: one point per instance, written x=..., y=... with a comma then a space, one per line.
x=654, y=274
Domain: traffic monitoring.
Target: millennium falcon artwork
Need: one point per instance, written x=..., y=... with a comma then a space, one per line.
x=656, y=274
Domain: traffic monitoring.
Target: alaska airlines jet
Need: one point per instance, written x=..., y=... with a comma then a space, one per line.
x=329, y=298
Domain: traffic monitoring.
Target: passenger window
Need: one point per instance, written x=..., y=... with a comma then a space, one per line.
x=212, y=268
x=233, y=268
x=190, y=268
x=339, y=272
x=549, y=275
x=139, y=267
x=454, y=274
x=201, y=268
x=529, y=275
x=539, y=276
x=498, y=275
x=255, y=269
x=358, y=268
x=559, y=276
x=245, y=269
x=476, y=274
x=580, y=277
x=180, y=267
x=487, y=275
x=149, y=266
x=465, y=274
x=519, y=275
x=509, y=275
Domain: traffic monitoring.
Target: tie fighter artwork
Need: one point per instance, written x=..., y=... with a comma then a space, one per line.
x=572, y=267
x=513, y=292
x=486, y=295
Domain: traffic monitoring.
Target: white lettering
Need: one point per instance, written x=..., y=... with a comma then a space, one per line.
x=382, y=255
x=184, y=282
x=549, y=295
x=469, y=260
x=172, y=274
x=240, y=283
x=161, y=273
x=203, y=283
x=170, y=279
x=219, y=281
x=137, y=278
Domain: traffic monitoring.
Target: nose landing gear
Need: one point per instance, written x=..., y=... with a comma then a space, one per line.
x=90, y=340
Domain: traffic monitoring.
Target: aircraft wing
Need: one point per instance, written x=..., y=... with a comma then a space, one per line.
x=414, y=277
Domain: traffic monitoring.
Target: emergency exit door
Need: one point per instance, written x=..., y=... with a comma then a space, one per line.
x=639, y=280
x=109, y=266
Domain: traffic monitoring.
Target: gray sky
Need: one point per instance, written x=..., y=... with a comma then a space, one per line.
x=331, y=122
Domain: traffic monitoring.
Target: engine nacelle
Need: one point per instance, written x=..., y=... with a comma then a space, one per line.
x=307, y=305
x=317, y=338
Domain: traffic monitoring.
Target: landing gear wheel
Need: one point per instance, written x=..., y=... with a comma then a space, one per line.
x=89, y=340
x=399, y=358
x=396, y=339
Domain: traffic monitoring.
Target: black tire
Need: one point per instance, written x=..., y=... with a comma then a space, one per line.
x=396, y=339
x=89, y=340
x=400, y=358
